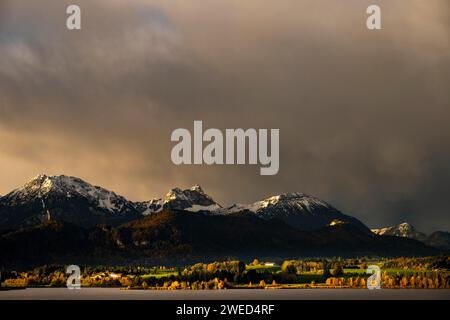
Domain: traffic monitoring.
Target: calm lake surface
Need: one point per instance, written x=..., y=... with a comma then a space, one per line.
x=236, y=294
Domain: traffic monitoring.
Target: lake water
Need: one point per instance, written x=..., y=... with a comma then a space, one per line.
x=236, y=294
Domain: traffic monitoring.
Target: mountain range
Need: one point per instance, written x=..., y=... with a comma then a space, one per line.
x=76, y=201
x=62, y=218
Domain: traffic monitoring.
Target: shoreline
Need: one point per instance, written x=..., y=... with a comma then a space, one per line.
x=228, y=294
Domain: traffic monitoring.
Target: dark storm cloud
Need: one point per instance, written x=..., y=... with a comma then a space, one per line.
x=363, y=115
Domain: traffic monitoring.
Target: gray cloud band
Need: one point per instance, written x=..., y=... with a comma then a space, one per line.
x=364, y=115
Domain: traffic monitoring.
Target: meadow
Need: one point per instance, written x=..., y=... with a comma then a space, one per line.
x=429, y=272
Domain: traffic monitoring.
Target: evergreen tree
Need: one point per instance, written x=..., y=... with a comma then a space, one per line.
x=326, y=271
x=338, y=270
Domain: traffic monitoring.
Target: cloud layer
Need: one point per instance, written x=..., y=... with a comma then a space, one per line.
x=363, y=115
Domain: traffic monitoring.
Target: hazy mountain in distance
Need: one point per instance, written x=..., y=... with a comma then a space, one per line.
x=439, y=239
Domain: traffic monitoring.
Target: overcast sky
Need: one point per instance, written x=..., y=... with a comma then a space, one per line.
x=364, y=116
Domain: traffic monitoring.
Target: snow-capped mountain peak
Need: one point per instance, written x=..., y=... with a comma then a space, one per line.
x=149, y=207
x=289, y=201
x=193, y=199
x=74, y=200
x=44, y=185
x=197, y=188
x=61, y=197
x=300, y=200
x=41, y=183
x=404, y=229
x=298, y=210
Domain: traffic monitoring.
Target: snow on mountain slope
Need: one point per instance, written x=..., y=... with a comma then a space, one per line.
x=404, y=230
x=193, y=199
x=74, y=200
x=148, y=207
x=68, y=187
x=284, y=203
x=64, y=198
x=298, y=210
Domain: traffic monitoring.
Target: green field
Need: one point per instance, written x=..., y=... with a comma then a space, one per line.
x=264, y=268
x=161, y=274
x=430, y=272
x=317, y=276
